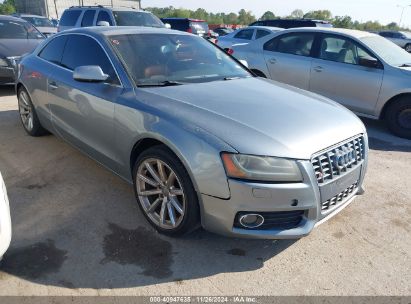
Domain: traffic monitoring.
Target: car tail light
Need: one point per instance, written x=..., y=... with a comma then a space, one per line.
x=230, y=51
x=190, y=30
x=216, y=41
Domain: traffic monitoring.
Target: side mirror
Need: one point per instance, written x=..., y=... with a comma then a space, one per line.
x=369, y=62
x=244, y=63
x=167, y=25
x=103, y=23
x=89, y=73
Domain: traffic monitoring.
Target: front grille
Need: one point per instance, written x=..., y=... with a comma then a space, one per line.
x=339, y=198
x=326, y=164
x=282, y=220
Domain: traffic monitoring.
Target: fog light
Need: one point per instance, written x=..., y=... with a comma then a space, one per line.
x=251, y=220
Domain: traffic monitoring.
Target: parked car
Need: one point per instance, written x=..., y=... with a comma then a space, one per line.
x=43, y=24
x=202, y=141
x=402, y=39
x=292, y=23
x=363, y=71
x=84, y=16
x=194, y=26
x=245, y=35
x=222, y=31
x=17, y=38
x=5, y=221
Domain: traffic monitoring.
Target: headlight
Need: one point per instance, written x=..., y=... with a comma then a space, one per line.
x=261, y=168
x=14, y=60
x=3, y=63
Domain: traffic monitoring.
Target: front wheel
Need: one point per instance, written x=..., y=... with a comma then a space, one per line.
x=165, y=192
x=28, y=115
x=408, y=47
x=398, y=117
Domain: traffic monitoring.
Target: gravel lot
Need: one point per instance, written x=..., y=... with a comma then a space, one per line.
x=78, y=231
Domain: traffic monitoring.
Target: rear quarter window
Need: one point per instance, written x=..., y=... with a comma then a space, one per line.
x=70, y=17
x=53, y=51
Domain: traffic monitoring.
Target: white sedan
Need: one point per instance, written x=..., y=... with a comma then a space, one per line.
x=5, y=222
x=245, y=35
x=364, y=72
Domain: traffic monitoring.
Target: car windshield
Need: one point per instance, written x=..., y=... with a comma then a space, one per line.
x=406, y=34
x=170, y=58
x=39, y=22
x=131, y=18
x=199, y=27
x=388, y=51
x=18, y=30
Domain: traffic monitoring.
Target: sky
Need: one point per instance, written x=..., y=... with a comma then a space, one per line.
x=385, y=11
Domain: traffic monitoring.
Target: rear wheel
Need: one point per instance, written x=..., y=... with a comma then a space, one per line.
x=28, y=115
x=408, y=47
x=165, y=192
x=398, y=117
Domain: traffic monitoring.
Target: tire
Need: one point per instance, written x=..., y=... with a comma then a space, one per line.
x=398, y=117
x=408, y=47
x=167, y=194
x=28, y=115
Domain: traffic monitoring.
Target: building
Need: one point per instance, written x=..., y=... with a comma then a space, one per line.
x=54, y=8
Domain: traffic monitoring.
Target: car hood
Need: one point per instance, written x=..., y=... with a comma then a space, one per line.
x=47, y=30
x=17, y=47
x=259, y=116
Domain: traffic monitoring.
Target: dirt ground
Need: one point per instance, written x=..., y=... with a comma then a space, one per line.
x=77, y=230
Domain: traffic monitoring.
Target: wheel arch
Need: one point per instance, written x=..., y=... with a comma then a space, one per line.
x=391, y=101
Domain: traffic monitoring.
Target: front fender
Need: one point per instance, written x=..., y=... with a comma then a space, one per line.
x=198, y=150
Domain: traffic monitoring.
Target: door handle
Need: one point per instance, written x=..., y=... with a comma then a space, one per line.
x=53, y=85
x=318, y=69
x=273, y=61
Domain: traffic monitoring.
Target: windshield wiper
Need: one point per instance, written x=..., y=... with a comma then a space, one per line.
x=166, y=83
x=231, y=78
x=405, y=65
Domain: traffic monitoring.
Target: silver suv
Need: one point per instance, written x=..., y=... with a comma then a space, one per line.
x=84, y=16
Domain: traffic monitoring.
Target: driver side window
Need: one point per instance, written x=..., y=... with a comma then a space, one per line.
x=90, y=53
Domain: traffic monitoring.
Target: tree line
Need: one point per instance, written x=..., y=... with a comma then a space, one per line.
x=244, y=17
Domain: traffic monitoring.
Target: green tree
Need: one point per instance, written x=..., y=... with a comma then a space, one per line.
x=320, y=14
x=343, y=22
x=7, y=7
x=268, y=15
x=297, y=14
x=245, y=17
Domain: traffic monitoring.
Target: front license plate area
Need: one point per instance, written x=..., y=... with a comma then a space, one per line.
x=337, y=186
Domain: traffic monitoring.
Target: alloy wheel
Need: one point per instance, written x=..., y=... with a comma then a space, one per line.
x=26, y=111
x=160, y=193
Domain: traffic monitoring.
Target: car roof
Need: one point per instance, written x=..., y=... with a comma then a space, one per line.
x=270, y=28
x=107, y=8
x=347, y=32
x=29, y=15
x=121, y=30
x=11, y=18
x=188, y=19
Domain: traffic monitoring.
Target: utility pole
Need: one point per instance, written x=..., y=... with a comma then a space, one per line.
x=402, y=12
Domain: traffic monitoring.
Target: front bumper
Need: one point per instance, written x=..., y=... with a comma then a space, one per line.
x=219, y=215
x=7, y=75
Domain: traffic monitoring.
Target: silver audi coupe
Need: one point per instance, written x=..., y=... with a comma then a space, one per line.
x=203, y=141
